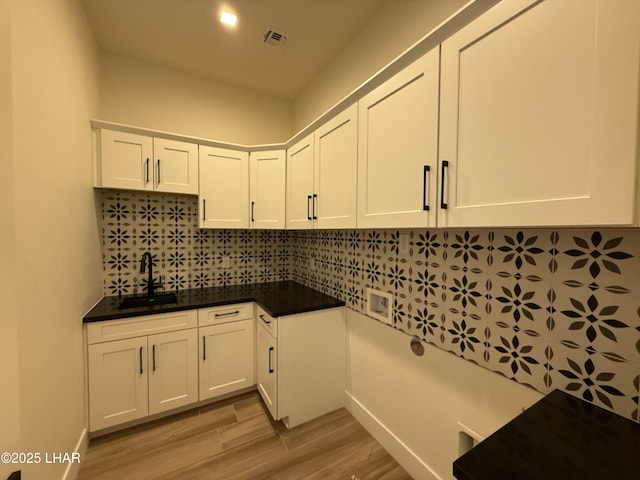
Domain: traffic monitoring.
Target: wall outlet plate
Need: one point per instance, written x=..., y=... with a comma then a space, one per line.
x=380, y=305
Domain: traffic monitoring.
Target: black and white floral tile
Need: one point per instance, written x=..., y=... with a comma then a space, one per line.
x=183, y=255
x=546, y=308
x=549, y=308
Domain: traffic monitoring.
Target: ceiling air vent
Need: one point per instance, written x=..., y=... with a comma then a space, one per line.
x=274, y=37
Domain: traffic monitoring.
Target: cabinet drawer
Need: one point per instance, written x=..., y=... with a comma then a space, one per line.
x=224, y=314
x=107, y=331
x=269, y=322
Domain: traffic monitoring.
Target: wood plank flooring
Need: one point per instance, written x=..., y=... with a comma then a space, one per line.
x=236, y=439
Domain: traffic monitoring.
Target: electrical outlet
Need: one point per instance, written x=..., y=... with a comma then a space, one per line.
x=226, y=262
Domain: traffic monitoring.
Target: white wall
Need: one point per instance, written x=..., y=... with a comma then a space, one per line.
x=9, y=398
x=412, y=405
x=398, y=25
x=142, y=94
x=57, y=251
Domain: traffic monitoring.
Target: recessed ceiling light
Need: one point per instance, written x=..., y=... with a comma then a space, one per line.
x=228, y=18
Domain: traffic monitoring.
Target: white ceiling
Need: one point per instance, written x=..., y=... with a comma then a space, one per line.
x=185, y=34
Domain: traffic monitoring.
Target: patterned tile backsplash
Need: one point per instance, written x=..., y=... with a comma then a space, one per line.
x=549, y=308
x=183, y=255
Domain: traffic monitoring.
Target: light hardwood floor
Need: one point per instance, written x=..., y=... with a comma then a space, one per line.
x=236, y=439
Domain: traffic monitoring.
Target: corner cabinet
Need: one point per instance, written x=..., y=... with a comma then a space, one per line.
x=267, y=173
x=300, y=364
x=539, y=123
x=224, y=188
x=139, y=162
x=321, y=175
x=398, y=149
x=141, y=366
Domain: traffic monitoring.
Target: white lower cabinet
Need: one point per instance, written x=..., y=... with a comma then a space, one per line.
x=147, y=365
x=300, y=364
x=141, y=366
x=118, y=382
x=173, y=370
x=266, y=368
x=226, y=350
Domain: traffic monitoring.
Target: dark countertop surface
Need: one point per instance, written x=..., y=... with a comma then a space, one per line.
x=560, y=437
x=277, y=299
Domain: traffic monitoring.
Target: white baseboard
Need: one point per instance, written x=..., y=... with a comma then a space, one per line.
x=72, y=470
x=392, y=444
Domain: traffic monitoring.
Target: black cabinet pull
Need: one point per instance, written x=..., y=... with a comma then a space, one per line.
x=204, y=348
x=204, y=209
x=153, y=357
x=445, y=166
x=425, y=174
x=270, y=367
x=146, y=167
x=308, y=207
x=227, y=314
x=264, y=319
x=141, y=361
x=158, y=171
x=315, y=201
x=253, y=204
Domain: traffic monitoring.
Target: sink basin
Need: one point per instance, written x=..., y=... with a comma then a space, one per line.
x=148, y=300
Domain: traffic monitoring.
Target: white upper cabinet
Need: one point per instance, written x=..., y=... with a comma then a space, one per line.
x=539, y=107
x=176, y=166
x=126, y=160
x=267, y=172
x=398, y=149
x=300, y=184
x=224, y=188
x=336, y=157
x=139, y=162
x=321, y=175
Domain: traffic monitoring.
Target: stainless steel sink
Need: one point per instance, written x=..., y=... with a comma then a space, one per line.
x=148, y=300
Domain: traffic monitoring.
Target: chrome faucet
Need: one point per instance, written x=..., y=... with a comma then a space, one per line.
x=146, y=259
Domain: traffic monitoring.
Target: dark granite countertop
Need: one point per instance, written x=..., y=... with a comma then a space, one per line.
x=277, y=299
x=559, y=438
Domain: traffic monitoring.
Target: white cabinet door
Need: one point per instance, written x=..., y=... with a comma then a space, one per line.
x=300, y=184
x=539, y=120
x=336, y=160
x=224, y=188
x=117, y=382
x=267, y=172
x=173, y=370
x=266, y=369
x=175, y=166
x=227, y=358
x=126, y=160
x=398, y=148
